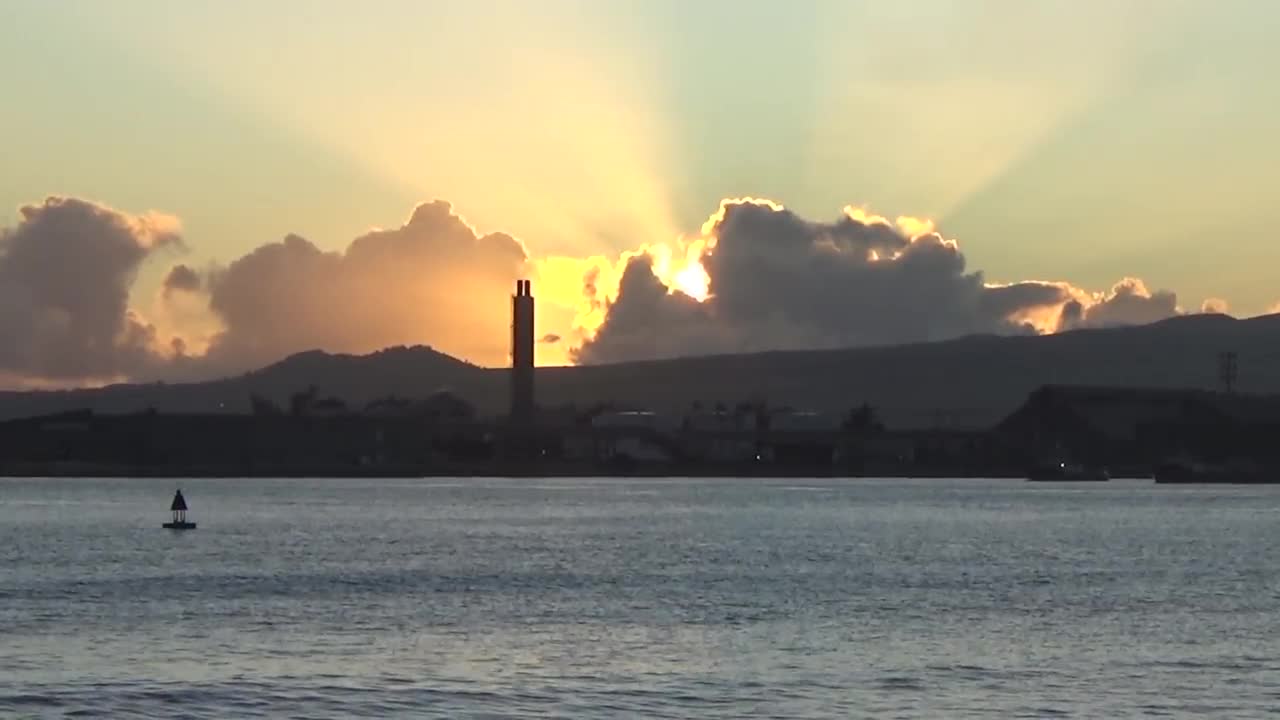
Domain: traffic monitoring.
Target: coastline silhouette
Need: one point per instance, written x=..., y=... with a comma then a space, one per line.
x=962, y=408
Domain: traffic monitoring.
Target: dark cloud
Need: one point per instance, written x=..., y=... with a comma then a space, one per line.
x=432, y=280
x=181, y=279
x=1007, y=301
x=778, y=281
x=65, y=273
x=649, y=322
x=1072, y=315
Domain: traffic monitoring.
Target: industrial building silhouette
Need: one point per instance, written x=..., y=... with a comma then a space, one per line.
x=1177, y=435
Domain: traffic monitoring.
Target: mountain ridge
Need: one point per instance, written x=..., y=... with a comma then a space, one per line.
x=968, y=381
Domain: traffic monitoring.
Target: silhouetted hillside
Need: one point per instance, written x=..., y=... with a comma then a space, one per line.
x=414, y=370
x=971, y=381
x=411, y=372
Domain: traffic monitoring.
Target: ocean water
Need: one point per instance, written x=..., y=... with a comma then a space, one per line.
x=645, y=598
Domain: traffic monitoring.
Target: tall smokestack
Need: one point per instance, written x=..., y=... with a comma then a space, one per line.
x=522, y=353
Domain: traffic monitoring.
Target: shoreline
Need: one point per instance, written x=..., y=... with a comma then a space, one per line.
x=552, y=469
x=511, y=469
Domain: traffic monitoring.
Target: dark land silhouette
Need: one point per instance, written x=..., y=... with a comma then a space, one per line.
x=971, y=382
x=1131, y=399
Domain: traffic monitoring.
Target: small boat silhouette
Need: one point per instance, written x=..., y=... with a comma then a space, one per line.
x=179, y=509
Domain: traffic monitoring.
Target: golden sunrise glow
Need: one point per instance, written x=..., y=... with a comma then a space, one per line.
x=562, y=156
x=861, y=215
x=915, y=227
x=559, y=152
x=1045, y=318
x=709, y=226
x=596, y=134
x=15, y=381
x=574, y=293
x=693, y=281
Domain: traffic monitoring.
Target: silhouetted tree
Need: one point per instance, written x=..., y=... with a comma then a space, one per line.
x=263, y=406
x=300, y=403
x=329, y=406
x=389, y=405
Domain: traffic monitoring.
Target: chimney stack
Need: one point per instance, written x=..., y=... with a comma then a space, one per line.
x=522, y=353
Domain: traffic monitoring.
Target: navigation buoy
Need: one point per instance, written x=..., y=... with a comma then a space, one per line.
x=179, y=509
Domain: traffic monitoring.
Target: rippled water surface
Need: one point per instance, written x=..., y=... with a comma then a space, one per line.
x=653, y=598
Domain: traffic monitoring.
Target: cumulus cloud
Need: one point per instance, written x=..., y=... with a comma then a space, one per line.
x=1128, y=303
x=1216, y=306
x=431, y=280
x=778, y=281
x=647, y=321
x=757, y=277
x=66, y=270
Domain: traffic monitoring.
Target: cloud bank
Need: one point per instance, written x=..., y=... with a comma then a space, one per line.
x=778, y=281
x=431, y=281
x=1128, y=303
x=757, y=277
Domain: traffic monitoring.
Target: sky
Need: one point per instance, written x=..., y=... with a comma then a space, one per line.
x=348, y=176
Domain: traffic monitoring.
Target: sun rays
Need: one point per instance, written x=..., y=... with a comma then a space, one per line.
x=1039, y=134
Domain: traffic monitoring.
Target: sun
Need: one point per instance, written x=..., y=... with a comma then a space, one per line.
x=693, y=281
